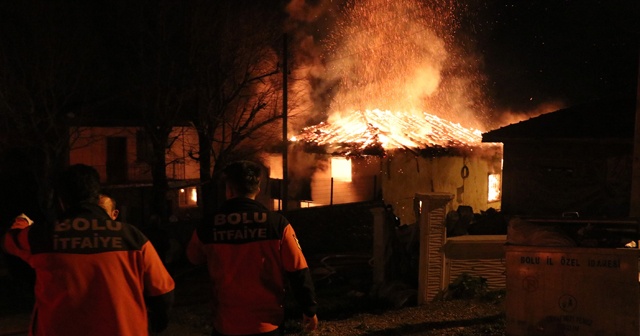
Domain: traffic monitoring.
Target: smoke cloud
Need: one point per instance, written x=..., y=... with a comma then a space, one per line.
x=397, y=55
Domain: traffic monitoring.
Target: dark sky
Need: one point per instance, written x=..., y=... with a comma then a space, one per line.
x=532, y=51
x=537, y=55
x=556, y=50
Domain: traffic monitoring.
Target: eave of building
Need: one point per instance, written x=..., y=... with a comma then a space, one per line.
x=172, y=184
x=585, y=140
x=346, y=149
x=612, y=118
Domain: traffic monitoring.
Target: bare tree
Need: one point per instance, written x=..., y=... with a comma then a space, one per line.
x=44, y=80
x=209, y=63
x=154, y=79
x=212, y=63
x=237, y=86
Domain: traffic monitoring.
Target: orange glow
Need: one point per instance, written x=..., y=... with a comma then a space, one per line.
x=401, y=56
x=403, y=80
x=275, y=166
x=495, y=187
x=194, y=195
x=513, y=117
x=341, y=169
x=188, y=197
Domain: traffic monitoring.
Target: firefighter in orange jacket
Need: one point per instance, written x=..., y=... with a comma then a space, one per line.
x=93, y=274
x=251, y=253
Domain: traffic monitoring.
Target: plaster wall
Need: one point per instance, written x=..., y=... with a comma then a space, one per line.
x=405, y=174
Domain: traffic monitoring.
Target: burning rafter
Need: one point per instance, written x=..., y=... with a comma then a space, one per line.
x=377, y=130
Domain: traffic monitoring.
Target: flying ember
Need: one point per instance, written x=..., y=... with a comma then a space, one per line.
x=392, y=60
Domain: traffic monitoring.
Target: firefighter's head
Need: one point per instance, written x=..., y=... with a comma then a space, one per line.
x=109, y=205
x=78, y=184
x=242, y=179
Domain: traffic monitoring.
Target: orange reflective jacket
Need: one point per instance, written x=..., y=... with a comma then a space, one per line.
x=92, y=274
x=250, y=252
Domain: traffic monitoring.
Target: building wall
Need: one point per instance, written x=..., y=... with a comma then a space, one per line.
x=363, y=185
x=404, y=174
x=396, y=177
x=547, y=178
x=311, y=175
x=89, y=146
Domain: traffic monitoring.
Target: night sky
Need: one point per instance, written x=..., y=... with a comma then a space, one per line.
x=556, y=51
x=535, y=56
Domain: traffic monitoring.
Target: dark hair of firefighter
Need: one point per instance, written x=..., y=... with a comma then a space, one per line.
x=243, y=176
x=79, y=183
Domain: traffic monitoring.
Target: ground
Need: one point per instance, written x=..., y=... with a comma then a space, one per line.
x=350, y=307
x=444, y=318
x=347, y=306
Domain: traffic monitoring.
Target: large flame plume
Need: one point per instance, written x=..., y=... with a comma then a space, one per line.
x=399, y=60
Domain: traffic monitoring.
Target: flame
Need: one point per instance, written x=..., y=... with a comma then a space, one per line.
x=390, y=130
x=402, y=55
x=386, y=61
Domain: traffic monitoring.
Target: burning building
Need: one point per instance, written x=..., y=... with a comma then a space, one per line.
x=380, y=155
x=381, y=65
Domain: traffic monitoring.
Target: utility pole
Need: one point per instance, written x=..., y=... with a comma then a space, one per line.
x=634, y=210
x=284, y=189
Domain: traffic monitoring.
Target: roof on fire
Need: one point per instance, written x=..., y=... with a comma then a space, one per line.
x=611, y=118
x=374, y=132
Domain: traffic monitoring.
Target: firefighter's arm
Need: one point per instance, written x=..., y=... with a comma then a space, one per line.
x=195, y=250
x=299, y=278
x=159, y=308
x=159, y=289
x=15, y=241
x=304, y=293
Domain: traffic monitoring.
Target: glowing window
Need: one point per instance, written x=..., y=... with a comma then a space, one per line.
x=341, y=169
x=188, y=197
x=495, y=187
x=275, y=166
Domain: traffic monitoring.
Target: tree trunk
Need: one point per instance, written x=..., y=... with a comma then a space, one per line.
x=208, y=199
x=160, y=186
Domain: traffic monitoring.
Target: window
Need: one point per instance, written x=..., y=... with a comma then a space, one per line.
x=188, y=197
x=341, y=169
x=495, y=188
